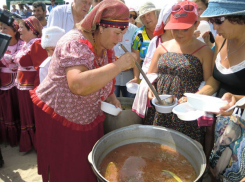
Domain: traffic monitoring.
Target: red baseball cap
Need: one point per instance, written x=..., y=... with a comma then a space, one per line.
x=183, y=15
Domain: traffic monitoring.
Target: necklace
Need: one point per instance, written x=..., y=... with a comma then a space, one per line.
x=96, y=60
x=228, y=54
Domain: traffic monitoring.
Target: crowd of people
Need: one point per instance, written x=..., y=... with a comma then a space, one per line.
x=56, y=72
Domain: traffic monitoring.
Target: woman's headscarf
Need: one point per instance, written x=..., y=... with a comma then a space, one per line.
x=164, y=14
x=108, y=13
x=34, y=25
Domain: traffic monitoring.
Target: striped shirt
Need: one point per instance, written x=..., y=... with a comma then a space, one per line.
x=141, y=42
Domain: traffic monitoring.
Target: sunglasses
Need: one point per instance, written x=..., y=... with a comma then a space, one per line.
x=217, y=20
x=134, y=16
x=186, y=7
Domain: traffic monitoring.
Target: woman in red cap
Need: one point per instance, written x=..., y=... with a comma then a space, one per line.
x=67, y=103
x=182, y=64
x=9, y=106
x=28, y=59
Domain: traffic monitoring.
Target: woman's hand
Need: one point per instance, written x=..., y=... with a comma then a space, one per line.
x=151, y=94
x=206, y=38
x=126, y=61
x=182, y=100
x=230, y=98
x=134, y=80
x=197, y=33
x=112, y=99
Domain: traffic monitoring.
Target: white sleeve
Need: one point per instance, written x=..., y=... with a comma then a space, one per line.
x=55, y=18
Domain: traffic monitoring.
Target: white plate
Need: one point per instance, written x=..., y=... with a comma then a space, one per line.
x=163, y=109
x=204, y=102
x=110, y=109
x=187, y=113
x=132, y=87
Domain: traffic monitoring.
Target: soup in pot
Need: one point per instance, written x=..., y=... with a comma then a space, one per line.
x=146, y=162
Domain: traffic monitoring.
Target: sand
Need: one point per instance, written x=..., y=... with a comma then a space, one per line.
x=19, y=166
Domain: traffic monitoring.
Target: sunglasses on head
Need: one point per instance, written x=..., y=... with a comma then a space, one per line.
x=186, y=7
x=134, y=16
x=217, y=20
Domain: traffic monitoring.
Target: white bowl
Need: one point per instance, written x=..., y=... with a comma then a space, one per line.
x=163, y=109
x=132, y=87
x=203, y=27
x=204, y=102
x=187, y=113
x=110, y=109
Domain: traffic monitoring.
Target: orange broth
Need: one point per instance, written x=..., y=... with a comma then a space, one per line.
x=145, y=162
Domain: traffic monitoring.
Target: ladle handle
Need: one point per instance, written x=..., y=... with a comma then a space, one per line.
x=146, y=78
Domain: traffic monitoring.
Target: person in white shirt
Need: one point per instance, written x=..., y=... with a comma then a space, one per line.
x=127, y=75
x=66, y=16
x=14, y=10
x=50, y=37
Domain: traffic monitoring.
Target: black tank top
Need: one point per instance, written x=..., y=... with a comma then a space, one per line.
x=233, y=82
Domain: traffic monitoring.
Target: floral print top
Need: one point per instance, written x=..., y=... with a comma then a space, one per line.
x=54, y=90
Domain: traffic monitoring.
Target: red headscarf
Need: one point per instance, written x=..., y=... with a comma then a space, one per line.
x=108, y=13
x=34, y=25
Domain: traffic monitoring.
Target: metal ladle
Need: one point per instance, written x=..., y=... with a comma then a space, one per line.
x=160, y=102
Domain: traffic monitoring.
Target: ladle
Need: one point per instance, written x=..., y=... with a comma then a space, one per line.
x=160, y=102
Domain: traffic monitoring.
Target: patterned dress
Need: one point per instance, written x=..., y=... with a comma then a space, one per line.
x=178, y=74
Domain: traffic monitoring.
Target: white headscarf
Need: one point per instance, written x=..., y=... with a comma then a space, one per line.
x=164, y=14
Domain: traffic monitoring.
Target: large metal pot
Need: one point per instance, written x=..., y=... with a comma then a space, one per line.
x=145, y=133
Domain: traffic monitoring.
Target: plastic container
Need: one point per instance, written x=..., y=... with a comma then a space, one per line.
x=161, y=108
x=204, y=102
x=132, y=87
x=187, y=113
x=110, y=109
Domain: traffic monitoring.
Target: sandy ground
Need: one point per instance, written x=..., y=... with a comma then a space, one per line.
x=19, y=166
x=22, y=166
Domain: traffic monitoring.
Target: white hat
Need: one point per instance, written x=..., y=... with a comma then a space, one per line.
x=51, y=35
x=146, y=8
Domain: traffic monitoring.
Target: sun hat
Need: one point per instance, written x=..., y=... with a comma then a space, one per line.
x=182, y=19
x=224, y=8
x=146, y=8
x=164, y=14
x=108, y=13
x=51, y=35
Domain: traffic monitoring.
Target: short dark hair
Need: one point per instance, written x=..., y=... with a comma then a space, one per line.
x=38, y=4
x=236, y=19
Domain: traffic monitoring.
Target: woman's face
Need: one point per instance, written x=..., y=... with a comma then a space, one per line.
x=184, y=35
x=111, y=36
x=25, y=35
x=7, y=30
x=227, y=29
x=149, y=19
x=132, y=17
x=201, y=8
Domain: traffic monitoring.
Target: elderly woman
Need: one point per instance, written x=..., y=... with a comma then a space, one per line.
x=228, y=18
x=10, y=128
x=148, y=14
x=67, y=103
x=28, y=59
x=182, y=64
